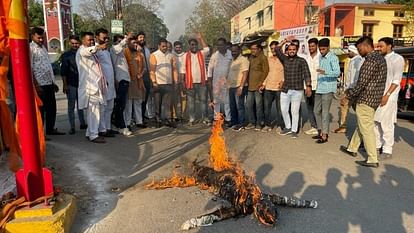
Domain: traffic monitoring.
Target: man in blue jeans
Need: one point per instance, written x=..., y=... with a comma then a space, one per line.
x=237, y=84
x=70, y=76
x=259, y=68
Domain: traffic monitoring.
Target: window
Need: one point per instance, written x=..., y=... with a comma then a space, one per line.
x=368, y=12
x=260, y=18
x=367, y=29
x=399, y=13
x=249, y=22
x=398, y=31
x=270, y=12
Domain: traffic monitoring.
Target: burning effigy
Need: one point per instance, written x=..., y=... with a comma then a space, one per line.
x=227, y=180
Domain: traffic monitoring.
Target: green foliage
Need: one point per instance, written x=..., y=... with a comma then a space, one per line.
x=153, y=26
x=212, y=18
x=136, y=17
x=35, y=12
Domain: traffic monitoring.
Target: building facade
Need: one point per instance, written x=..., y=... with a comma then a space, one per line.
x=58, y=23
x=264, y=17
x=374, y=20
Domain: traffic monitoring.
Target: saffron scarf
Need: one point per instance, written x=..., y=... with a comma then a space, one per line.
x=189, y=73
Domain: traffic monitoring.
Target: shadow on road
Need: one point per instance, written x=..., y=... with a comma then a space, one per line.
x=96, y=174
x=370, y=205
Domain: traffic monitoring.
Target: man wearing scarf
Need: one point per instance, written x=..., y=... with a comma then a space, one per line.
x=92, y=86
x=193, y=67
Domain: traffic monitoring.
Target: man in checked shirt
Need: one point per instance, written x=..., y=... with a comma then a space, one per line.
x=296, y=72
x=367, y=95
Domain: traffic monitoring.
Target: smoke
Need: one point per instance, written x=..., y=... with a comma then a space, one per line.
x=174, y=13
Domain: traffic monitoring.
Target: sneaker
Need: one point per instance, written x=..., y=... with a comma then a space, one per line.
x=294, y=135
x=125, y=132
x=227, y=124
x=111, y=131
x=238, y=128
x=285, y=132
x=98, y=140
x=258, y=128
x=311, y=131
x=72, y=131
x=267, y=129
x=171, y=124
x=249, y=126
x=384, y=156
x=191, y=123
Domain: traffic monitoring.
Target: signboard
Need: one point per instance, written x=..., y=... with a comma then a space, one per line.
x=349, y=40
x=303, y=34
x=117, y=26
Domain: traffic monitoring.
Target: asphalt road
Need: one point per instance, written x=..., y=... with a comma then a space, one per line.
x=108, y=180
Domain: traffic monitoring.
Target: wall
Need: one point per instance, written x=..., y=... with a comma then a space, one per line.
x=384, y=28
x=239, y=23
x=289, y=14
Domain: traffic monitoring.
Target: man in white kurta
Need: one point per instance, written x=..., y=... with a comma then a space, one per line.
x=92, y=86
x=386, y=114
x=104, y=58
x=218, y=70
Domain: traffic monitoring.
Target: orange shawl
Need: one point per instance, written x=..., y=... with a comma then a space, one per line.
x=189, y=73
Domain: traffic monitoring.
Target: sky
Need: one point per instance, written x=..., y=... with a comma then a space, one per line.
x=175, y=12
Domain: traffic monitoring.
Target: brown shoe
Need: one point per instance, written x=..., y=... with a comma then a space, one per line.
x=340, y=130
x=99, y=140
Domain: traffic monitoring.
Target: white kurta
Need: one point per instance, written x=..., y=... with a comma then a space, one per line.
x=386, y=116
x=218, y=69
x=352, y=73
x=89, y=77
x=395, y=69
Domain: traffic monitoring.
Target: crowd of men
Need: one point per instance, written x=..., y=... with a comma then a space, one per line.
x=122, y=84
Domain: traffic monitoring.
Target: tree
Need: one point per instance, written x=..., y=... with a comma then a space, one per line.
x=212, y=18
x=149, y=22
x=35, y=12
x=409, y=13
x=136, y=17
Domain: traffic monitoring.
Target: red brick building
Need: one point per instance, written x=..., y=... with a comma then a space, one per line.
x=58, y=23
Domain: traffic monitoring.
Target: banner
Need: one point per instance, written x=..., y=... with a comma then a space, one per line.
x=303, y=34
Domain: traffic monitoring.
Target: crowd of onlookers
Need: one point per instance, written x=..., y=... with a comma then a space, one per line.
x=116, y=87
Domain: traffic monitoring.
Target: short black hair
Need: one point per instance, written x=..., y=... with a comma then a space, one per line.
x=324, y=42
x=222, y=40
x=83, y=34
x=101, y=30
x=296, y=41
x=387, y=41
x=118, y=37
x=258, y=44
x=236, y=45
x=275, y=42
x=162, y=40
x=178, y=43
x=74, y=37
x=192, y=40
x=366, y=40
x=141, y=33
x=313, y=40
x=292, y=44
x=37, y=30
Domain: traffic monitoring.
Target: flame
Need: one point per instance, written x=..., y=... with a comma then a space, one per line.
x=219, y=158
x=248, y=192
x=175, y=181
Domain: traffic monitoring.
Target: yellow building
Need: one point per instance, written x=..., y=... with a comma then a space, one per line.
x=375, y=20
